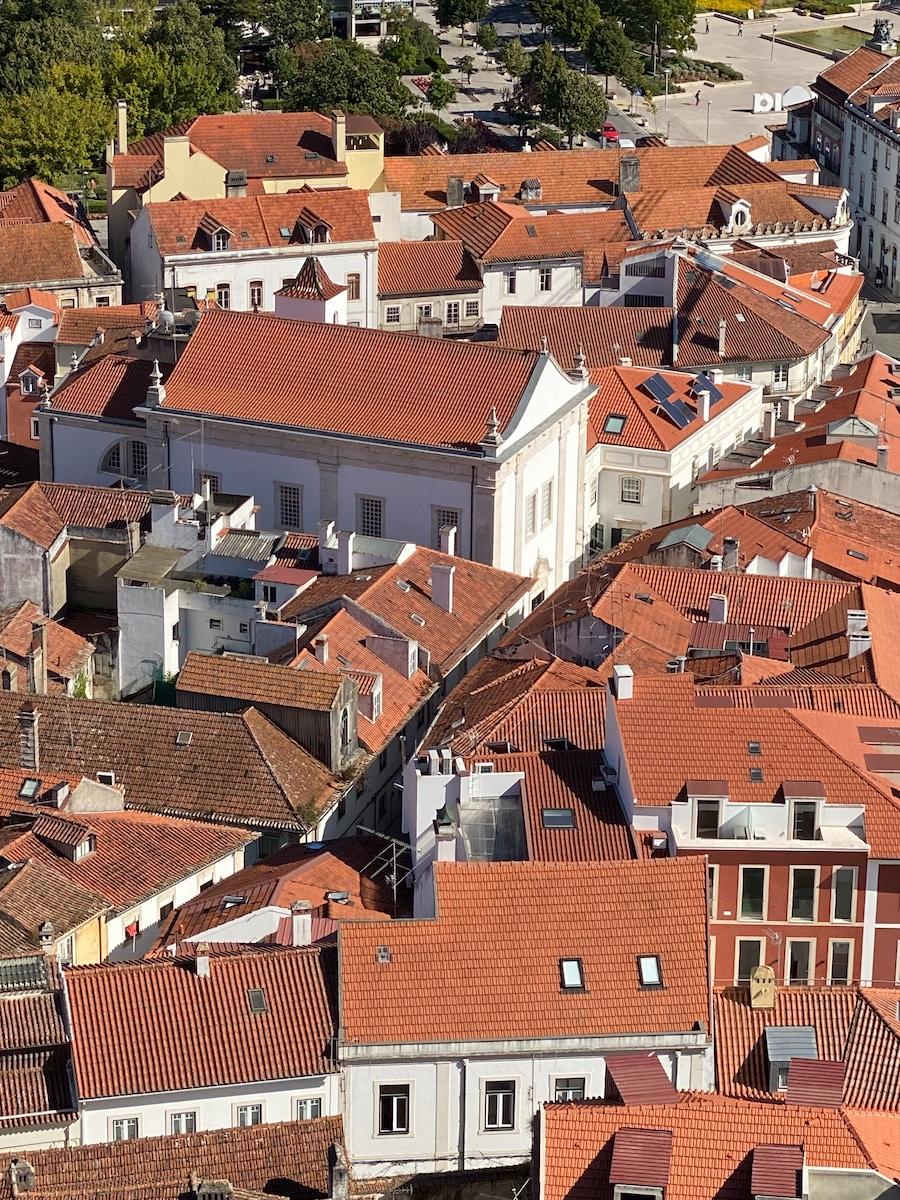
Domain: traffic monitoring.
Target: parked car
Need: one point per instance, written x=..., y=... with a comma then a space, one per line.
x=609, y=132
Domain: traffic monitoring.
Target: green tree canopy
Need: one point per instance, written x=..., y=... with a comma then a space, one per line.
x=611, y=53
x=440, y=93
x=546, y=72
x=672, y=20
x=514, y=58
x=580, y=105
x=459, y=12
x=570, y=20
x=487, y=38
x=52, y=131
x=465, y=64
x=347, y=76
x=294, y=21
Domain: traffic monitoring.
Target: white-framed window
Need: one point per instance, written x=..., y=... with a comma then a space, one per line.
x=780, y=375
x=742, y=371
x=500, y=1104
x=752, y=903
x=630, y=489
x=706, y=818
x=249, y=1114
x=423, y=312
x=531, y=514
x=290, y=505
x=28, y=384
x=124, y=1128
x=35, y=429
x=223, y=295
x=183, y=1122
x=546, y=503
x=220, y=239
x=452, y=312
x=107, y=777
x=509, y=283
x=546, y=281
x=353, y=286
x=65, y=950
x=843, y=893
x=649, y=970
x=748, y=954
x=840, y=962
x=392, y=314
x=441, y=518
x=256, y=293
x=370, y=516
x=804, y=820
x=393, y=1108
x=35, y=323
x=569, y=1087
x=800, y=961
x=126, y=458
x=309, y=1107
x=804, y=892
x=473, y=308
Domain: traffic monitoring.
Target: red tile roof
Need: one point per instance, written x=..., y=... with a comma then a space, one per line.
x=77, y=326
x=117, y=1052
x=41, y=511
x=605, y=333
x=812, y=1081
x=38, y=254
x=274, y=371
x=641, y=1079
x=66, y=655
x=34, y=201
x=312, y=283
x=843, y=78
x=605, y=914
x=112, y=387
x=261, y=218
x=713, y=1143
x=426, y=268
x=32, y=893
x=31, y=296
x=258, y=682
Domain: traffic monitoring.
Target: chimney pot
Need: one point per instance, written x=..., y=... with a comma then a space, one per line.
x=121, y=145
x=45, y=936
x=770, y=420
x=703, y=406
x=731, y=554
x=301, y=923
x=623, y=681
x=345, y=551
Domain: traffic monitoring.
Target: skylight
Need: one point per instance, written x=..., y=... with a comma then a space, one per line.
x=571, y=975
x=614, y=423
x=756, y=774
x=754, y=748
x=558, y=818
x=256, y=998
x=649, y=970
x=29, y=789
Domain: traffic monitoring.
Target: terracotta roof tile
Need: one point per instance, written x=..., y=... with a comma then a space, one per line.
x=117, y=1052
x=77, y=326
x=38, y=254
x=843, y=78
x=257, y=682
x=42, y=510
x=312, y=283
x=605, y=333
x=34, y=201
x=66, y=653
x=877, y=1133
x=35, y=892
x=426, y=268
x=474, y=952
x=111, y=386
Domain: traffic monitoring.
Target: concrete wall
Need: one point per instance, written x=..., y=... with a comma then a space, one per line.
x=856, y=481
x=23, y=574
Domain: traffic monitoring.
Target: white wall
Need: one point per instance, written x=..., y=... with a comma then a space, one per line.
x=566, y=289
x=146, y=616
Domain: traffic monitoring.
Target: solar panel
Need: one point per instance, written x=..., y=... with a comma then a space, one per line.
x=658, y=388
x=703, y=383
x=680, y=418
x=681, y=407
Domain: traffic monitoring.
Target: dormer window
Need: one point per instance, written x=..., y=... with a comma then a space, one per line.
x=85, y=847
x=28, y=383
x=320, y=233
x=220, y=239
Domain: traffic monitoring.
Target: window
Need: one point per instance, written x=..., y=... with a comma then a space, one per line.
x=546, y=503
x=256, y=294
x=65, y=950
x=35, y=322
x=546, y=279
x=309, y=1107
x=85, y=847
x=630, y=489
x=392, y=314
x=107, y=777
x=220, y=240
x=137, y=459
x=223, y=295
x=756, y=773
x=370, y=516
x=742, y=371
x=124, y=1129
x=531, y=512
x=799, y=962
x=804, y=821
x=568, y=1088
x=215, y=623
x=183, y=1122
x=212, y=478
x=35, y=429
x=509, y=282
x=753, y=893
x=558, y=818
x=290, y=505
x=840, y=956
x=249, y=1114
x=256, y=999
x=353, y=286
x=803, y=893
x=711, y=892
x=707, y=819
x=166, y=909
x=243, y=627
x=749, y=956
x=28, y=383
x=500, y=1104
x=473, y=308
x=452, y=312
x=843, y=886
x=780, y=375
x=423, y=312
x=571, y=975
x=270, y=593
x=393, y=1108
x=614, y=423
x=443, y=518
x=649, y=970
x=382, y=760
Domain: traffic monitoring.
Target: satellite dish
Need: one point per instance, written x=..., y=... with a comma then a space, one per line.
x=167, y=319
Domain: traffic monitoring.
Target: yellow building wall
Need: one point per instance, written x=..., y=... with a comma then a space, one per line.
x=90, y=942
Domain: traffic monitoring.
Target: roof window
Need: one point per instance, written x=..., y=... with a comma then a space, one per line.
x=571, y=975
x=284, y=231
x=754, y=748
x=256, y=998
x=756, y=774
x=107, y=777
x=383, y=955
x=402, y=584
x=614, y=423
x=418, y=619
x=184, y=737
x=649, y=971
x=559, y=743
x=558, y=818
x=270, y=158
x=29, y=789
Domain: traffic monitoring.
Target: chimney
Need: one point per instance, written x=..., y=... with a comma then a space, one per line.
x=716, y=376
x=29, y=746
x=882, y=456
x=788, y=407
x=623, y=682
x=156, y=392
x=201, y=960
x=444, y=842
x=21, y=1177
x=456, y=193
x=718, y=608
x=301, y=923
x=340, y=1173
x=731, y=554
x=326, y=532
x=339, y=136
x=121, y=127
x=447, y=534
x=629, y=175
x=715, y=562
x=723, y=328
x=345, y=551
x=320, y=646
x=37, y=659
x=206, y=489
x=442, y=585
x=624, y=361
x=703, y=405
x=770, y=420
x=45, y=936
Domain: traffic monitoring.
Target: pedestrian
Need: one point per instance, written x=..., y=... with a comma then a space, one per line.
x=707, y=24
x=740, y=28
x=697, y=98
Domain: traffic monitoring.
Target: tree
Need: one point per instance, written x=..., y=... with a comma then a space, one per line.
x=611, y=53
x=672, y=21
x=546, y=72
x=573, y=20
x=514, y=58
x=580, y=105
x=346, y=76
x=29, y=46
x=52, y=132
x=195, y=73
x=440, y=93
x=459, y=12
x=487, y=38
x=411, y=45
x=465, y=64
x=294, y=21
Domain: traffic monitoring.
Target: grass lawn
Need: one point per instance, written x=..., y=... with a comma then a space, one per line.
x=838, y=37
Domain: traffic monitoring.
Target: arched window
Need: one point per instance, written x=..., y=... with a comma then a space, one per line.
x=127, y=459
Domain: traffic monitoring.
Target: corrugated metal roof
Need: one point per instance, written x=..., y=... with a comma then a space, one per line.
x=777, y=1171
x=697, y=536
x=239, y=544
x=641, y=1157
x=641, y=1079
x=784, y=1042
x=816, y=1083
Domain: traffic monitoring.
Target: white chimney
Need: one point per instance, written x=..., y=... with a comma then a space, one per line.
x=723, y=329
x=770, y=420
x=442, y=585
x=716, y=376
x=718, y=608
x=320, y=646
x=623, y=682
x=301, y=923
x=625, y=362
x=326, y=531
x=201, y=960
x=206, y=490
x=703, y=406
x=445, y=843
x=715, y=562
x=121, y=127
x=345, y=551
x=447, y=535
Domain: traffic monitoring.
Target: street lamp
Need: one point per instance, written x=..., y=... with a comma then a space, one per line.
x=772, y=55
x=708, y=113
x=667, y=71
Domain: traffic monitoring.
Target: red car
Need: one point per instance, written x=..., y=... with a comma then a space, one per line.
x=610, y=133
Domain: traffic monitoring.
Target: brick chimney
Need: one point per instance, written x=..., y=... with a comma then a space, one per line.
x=301, y=923
x=37, y=659
x=442, y=585
x=29, y=744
